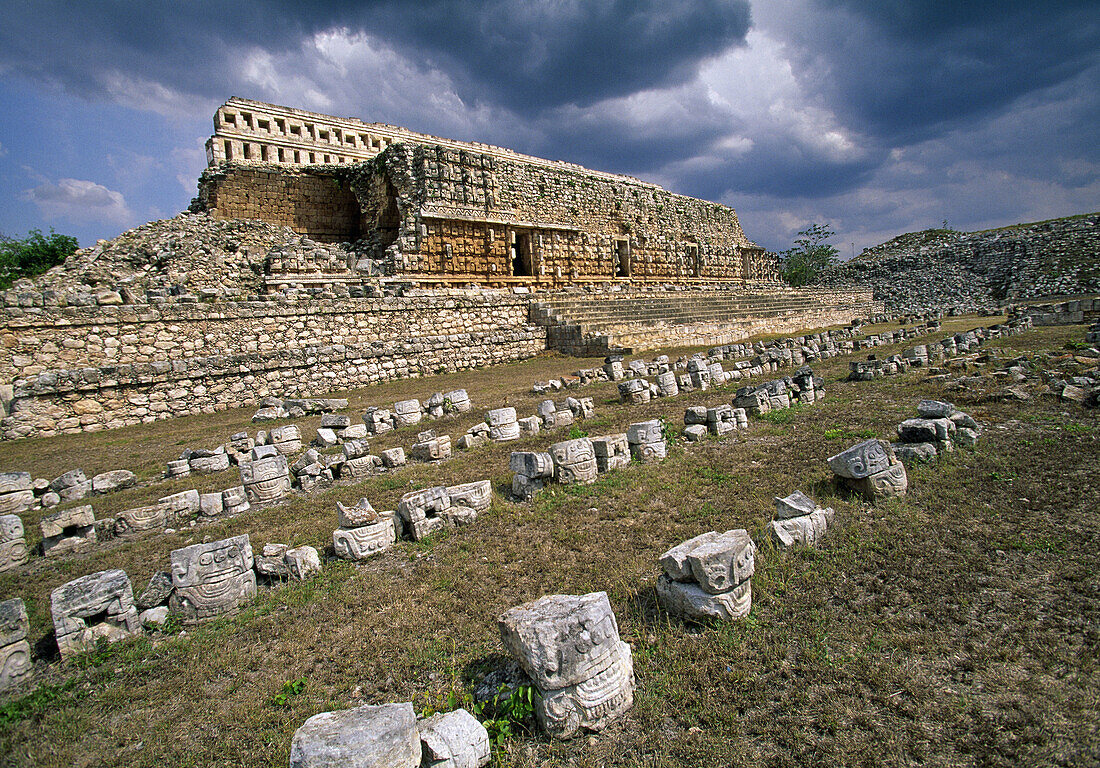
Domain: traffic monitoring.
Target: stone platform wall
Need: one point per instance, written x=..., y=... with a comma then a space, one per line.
x=89, y=368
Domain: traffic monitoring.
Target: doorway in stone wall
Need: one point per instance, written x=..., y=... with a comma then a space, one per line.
x=522, y=262
x=622, y=258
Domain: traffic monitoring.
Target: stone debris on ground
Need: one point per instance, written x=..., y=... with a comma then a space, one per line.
x=938, y=428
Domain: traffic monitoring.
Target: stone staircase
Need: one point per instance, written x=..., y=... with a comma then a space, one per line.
x=598, y=323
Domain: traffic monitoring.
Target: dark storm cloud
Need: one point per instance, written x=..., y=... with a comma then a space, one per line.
x=525, y=55
x=904, y=69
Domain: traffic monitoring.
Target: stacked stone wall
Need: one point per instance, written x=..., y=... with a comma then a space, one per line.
x=87, y=368
x=317, y=205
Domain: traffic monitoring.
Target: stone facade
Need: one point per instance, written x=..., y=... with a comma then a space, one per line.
x=446, y=210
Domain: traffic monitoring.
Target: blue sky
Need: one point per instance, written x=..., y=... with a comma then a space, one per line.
x=873, y=116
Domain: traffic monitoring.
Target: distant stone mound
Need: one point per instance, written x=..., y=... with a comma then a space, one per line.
x=961, y=272
x=191, y=254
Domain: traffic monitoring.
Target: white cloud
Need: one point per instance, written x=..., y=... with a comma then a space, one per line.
x=151, y=96
x=80, y=201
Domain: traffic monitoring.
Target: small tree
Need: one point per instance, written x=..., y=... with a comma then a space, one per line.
x=811, y=254
x=33, y=254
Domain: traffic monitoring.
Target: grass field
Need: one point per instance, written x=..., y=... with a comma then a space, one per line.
x=957, y=626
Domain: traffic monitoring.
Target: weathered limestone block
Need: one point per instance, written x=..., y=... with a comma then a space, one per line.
x=695, y=414
x=335, y=421
x=862, y=460
x=574, y=461
x=115, y=480
x=16, y=492
x=646, y=439
x=966, y=437
x=72, y=485
x=666, y=384
x=393, y=457
x=477, y=495
x=689, y=601
x=717, y=562
x=365, y=541
x=211, y=504
x=560, y=419
x=794, y=505
x=354, y=449
x=149, y=518
x=695, y=432
x=271, y=561
x=503, y=424
x=212, y=579
x=753, y=400
x=453, y=740
x=287, y=439
x=424, y=512
x=634, y=391
x=918, y=431
x=235, y=500
x=935, y=409
x=546, y=410
x=807, y=530
x=354, y=517
x=69, y=530
x=888, y=483
x=530, y=425
x=914, y=452
x=178, y=468
x=353, y=432
x=433, y=449
x=302, y=562
x=569, y=646
x=614, y=369
x=326, y=438
x=532, y=464
x=612, y=452
x=208, y=465
x=15, y=651
x=13, y=544
x=456, y=401
x=720, y=420
x=382, y=736
x=406, y=413
x=378, y=420
x=93, y=606
x=266, y=479
x=581, y=407
x=361, y=466
x=525, y=488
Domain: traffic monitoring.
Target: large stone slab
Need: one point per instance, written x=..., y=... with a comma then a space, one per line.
x=477, y=495
x=384, y=736
x=212, y=579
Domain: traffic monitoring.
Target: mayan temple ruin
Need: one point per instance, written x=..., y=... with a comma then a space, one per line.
x=323, y=249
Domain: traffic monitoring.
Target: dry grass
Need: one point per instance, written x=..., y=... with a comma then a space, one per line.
x=957, y=626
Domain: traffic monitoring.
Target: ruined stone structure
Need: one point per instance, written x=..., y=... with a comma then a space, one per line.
x=457, y=211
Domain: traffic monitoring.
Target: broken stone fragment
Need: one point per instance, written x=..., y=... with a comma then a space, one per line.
x=574, y=461
x=365, y=541
x=157, y=591
x=795, y=505
x=612, y=451
x=917, y=431
x=477, y=495
x=695, y=432
x=271, y=561
x=935, y=409
x=593, y=703
x=13, y=544
x=914, y=452
x=384, y=736
x=717, y=562
x=354, y=517
x=888, y=483
x=113, y=481
x=531, y=464
x=807, y=530
x=453, y=740
x=302, y=562
x=68, y=530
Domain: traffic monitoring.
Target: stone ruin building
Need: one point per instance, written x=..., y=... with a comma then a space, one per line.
x=459, y=212
x=325, y=252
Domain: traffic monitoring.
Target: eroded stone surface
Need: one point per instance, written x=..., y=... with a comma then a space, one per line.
x=365, y=541
x=384, y=736
x=68, y=530
x=453, y=740
x=212, y=579
x=13, y=543
x=266, y=479
x=574, y=461
x=688, y=600
x=477, y=495
x=863, y=459
x=93, y=606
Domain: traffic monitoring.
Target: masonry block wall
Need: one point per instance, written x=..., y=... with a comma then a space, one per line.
x=317, y=205
x=88, y=368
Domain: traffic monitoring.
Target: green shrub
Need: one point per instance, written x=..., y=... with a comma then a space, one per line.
x=32, y=255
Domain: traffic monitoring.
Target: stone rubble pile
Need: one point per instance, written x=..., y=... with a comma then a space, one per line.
x=272, y=408
x=19, y=492
x=976, y=272
x=422, y=513
x=871, y=469
x=940, y=427
x=708, y=577
x=719, y=420
x=99, y=605
x=569, y=647
x=798, y=520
